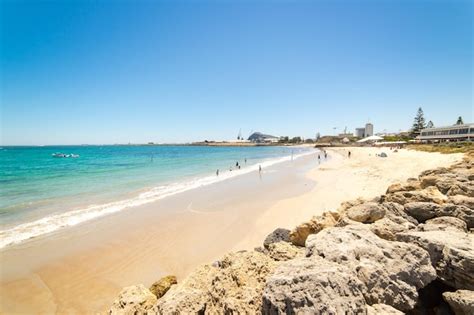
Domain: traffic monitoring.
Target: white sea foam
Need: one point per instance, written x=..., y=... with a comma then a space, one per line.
x=55, y=222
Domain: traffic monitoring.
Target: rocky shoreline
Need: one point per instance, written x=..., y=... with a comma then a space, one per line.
x=410, y=250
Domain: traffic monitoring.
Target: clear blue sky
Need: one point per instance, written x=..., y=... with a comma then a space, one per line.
x=118, y=71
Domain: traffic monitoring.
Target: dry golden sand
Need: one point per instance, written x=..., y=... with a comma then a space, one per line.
x=341, y=179
x=81, y=270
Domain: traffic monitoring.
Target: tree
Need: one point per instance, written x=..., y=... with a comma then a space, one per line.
x=459, y=122
x=295, y=140
x=418, y=123
x=429, y=124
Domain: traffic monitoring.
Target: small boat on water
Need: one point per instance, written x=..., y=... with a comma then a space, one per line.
x=62, y=155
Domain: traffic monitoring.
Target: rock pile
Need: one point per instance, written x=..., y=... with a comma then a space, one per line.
x=408, y=251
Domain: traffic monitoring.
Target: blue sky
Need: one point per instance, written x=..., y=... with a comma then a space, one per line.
x=136, y=71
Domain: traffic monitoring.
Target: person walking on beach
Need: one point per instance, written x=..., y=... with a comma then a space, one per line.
x=259, y=168
x=325, y=154
x=349, y=154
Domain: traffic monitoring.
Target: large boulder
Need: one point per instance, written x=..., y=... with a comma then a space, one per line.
x=160, y=287
x=388, y=229
x=451, y=253
x=282, y=251
x=462, y=200
x=443, y=224
x=423, y=211
x=366, y=213
x=396, y=213
x=276, y=236
x=411, y=184
x=429, y=194
x=461, y=301
x=313, y=286
x=459, y=211
x=392, y=272
x=133, y=300
x=231, y=285
x=299, y=234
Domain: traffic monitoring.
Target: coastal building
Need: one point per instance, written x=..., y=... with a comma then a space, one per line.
x=360, y=132
x=369, y=130
x=464, y=132
x=263, y=138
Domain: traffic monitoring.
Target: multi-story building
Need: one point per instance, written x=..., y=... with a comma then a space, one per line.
x=369, y=130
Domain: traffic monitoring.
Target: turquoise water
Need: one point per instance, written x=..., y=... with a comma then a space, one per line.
x=40, y=193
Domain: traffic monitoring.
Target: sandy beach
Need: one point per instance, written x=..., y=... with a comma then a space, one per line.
x=80, y=270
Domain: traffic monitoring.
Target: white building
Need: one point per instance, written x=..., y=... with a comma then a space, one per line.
x=463, y=132
x=369, y=130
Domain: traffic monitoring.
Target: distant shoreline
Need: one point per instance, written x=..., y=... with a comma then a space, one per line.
x=210, y=143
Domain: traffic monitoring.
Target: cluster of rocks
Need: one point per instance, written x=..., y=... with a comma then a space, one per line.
x=408, y=251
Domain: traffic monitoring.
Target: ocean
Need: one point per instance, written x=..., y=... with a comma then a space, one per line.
x=40, y=193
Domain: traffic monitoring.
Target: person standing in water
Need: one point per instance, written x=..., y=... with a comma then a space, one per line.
x=217, y=172
x=259, y=168
x=245, y=160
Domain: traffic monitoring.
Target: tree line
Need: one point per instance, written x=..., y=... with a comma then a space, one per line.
x=420, y=124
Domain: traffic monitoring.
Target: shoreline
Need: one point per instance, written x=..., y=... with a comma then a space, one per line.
x=175, y=235
x=26, y=231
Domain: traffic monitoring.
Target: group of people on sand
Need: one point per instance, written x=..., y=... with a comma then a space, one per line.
x=325, y=154
x=238, y=166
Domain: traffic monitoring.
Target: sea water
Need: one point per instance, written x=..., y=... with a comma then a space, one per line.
x=40, y=193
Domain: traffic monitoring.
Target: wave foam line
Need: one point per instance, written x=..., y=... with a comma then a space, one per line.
x=55, y=222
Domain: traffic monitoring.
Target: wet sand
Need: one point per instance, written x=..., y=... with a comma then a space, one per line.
x=81, y=270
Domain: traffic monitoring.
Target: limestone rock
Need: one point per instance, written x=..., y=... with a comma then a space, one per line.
x=133, y=300
x=379, y=309
x=461, y=301
x=160, y=287
x=313, y=286
x=428, y=180
x=300, y=233
x=462, y=200
x=282, y=251
x=366, y=213
x=459, y=211
x=411, y=184
x=392, y=272
x=429, y=194
x=436, y=171
x=277, y=236
x=422, y=211
x=388, y=229
x=235, y=285
x=443, y=224
x=451, y=253
x=396, y=213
